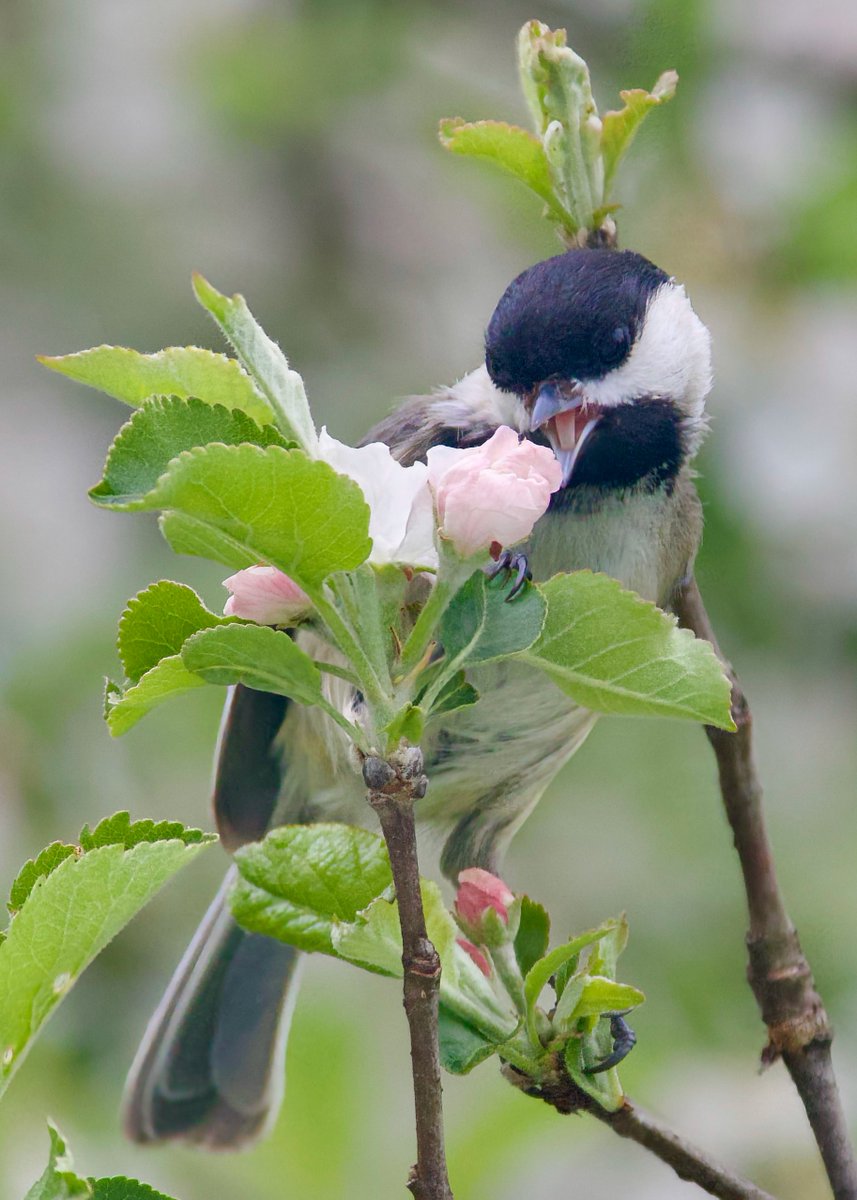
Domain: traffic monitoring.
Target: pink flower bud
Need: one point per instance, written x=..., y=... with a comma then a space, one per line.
x=477, y=955
x=491, y=493
x=266, y=596
x=478, y=892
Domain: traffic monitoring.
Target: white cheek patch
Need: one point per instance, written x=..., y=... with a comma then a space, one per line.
x=671, y=357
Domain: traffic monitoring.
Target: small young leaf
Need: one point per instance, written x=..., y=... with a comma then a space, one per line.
x=461, y=1046
x=123, y=709
x=480, y=625
x=619, y=128
x=509, y=147
x=251, y=504
x=409, y=724
x=59, y=1180
x=565, y=1014
x=539, y=974
x=70, y=915
x=258, y=657
x=177, y=371
x=613, y=652
x=600, y=995
x=533, y=936
x=263, y=359
x=161, y=430
x=558, y=89
x=157, y=623
x=302, y=878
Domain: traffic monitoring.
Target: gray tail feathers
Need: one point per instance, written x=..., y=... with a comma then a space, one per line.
x=210, y=1069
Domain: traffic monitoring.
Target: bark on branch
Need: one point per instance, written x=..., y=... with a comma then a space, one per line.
x=393, y=788
x=799, y=1031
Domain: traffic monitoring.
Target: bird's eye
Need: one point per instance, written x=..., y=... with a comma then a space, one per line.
x=622, y=335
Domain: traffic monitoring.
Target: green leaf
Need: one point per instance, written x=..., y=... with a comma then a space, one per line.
x=533, y=936
x=186, y=535
x=69, y=916
x=257, y=656
x=461, y=1046
x=249, y=504
x=372, y=939
x=37, y=868
x=157, y=623
x=120, y=830
x=265, y=362
x=565, y=974
x=600, y=995
x=120, y=1188
x=456, y=693
x=479, y=624
x=605, y=955
x=614, y=652
x=158, y=432
x=178, y=371
x=58, y=1180
x=592, y=1047
x=369, y=599
x=123, y=709
x=509, y=147
x=541, y=971
x=619, y=128
x=302, y=878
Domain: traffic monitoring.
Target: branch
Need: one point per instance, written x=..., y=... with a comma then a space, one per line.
x=688, y=1161
x=393, y=788
x=798, y=1027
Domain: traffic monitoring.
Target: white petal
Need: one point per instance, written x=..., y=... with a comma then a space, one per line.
x=391, y=492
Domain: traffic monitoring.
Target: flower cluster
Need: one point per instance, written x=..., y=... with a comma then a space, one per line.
x=468, y=498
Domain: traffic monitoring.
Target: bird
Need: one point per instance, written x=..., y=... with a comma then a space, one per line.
x=598, y=354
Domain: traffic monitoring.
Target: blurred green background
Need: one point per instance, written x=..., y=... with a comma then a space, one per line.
x=288, y=150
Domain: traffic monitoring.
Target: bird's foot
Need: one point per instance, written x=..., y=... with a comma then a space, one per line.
x=624, y=1041
x=511, y=562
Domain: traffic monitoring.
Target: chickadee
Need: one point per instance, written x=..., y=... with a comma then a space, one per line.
x=598, y=354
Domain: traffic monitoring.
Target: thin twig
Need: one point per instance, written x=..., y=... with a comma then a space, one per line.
x=689, y=1162
x=798, y=1027
x=393, y=788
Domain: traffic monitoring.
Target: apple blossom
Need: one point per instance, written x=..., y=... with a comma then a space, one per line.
x=401, y=521
x=265, y=595
x=491, y=493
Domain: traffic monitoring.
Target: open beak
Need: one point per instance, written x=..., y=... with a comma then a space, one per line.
x=565, y=416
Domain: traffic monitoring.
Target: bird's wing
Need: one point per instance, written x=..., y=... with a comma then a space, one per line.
x=441, y=419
